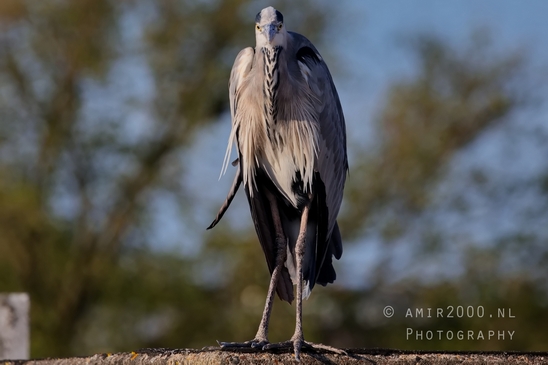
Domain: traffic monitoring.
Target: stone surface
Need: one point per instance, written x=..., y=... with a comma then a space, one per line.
x=14, y=326
x=356, y=356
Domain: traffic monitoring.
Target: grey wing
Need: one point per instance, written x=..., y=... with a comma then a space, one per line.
x=261, y=214
x=258, y=202
x=332, y=161
x=241, y=67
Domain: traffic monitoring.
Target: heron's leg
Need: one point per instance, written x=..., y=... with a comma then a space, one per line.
x=298, y=337
x=297, y=340
x=261, y=338
x=281, y=243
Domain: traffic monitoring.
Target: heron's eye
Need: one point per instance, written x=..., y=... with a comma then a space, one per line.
x=258, y=27
x=280, y=26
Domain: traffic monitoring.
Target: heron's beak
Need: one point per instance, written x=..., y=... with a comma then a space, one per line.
x=270, y=32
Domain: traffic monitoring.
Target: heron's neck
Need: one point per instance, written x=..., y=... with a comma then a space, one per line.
x=271, y=82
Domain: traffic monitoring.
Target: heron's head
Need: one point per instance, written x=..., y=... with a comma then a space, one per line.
x=269, y=28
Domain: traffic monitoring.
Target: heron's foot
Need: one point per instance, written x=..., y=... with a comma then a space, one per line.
x=257, y=343
x=299, y=344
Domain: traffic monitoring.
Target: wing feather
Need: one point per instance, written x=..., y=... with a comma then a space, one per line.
x=256, y=194
x=240, y=69
x=262, y=219
x=332, y=161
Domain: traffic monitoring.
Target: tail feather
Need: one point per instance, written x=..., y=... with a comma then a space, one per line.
x=231, y=193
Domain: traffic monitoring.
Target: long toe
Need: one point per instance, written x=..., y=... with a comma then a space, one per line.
x=291, y=344
x=279, y=345
x=255, y=343
x=322, y=347
x=259, y=344
x=297, y=345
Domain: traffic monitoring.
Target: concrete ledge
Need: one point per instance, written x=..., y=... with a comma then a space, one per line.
x=14, y=325
x=356, y=356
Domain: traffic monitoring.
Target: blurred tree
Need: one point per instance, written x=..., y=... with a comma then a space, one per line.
x=456, y=96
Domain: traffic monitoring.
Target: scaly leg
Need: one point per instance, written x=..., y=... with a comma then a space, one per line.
x=298, y=337
x=297, y=340
x=261, y=338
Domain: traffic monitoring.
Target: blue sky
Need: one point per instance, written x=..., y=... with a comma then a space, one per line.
x=364, y=49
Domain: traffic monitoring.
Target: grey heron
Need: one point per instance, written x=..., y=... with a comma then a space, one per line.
x=289, y=130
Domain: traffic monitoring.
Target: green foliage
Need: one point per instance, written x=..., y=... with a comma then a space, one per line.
x=456, y=96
